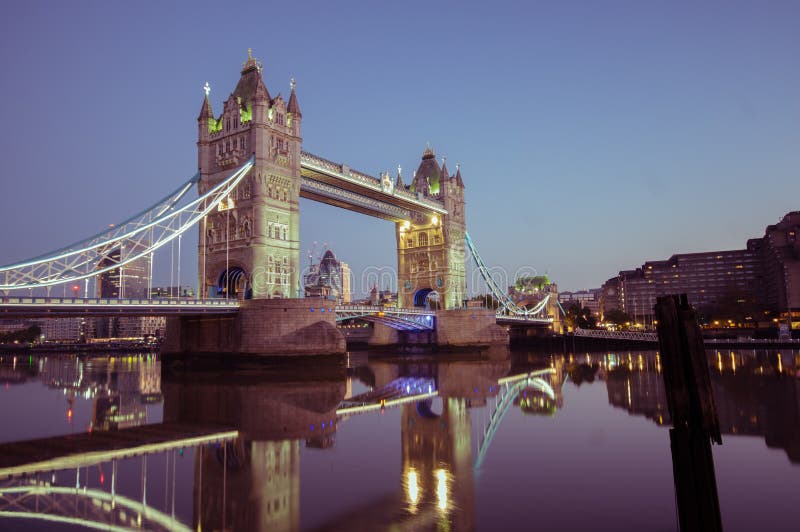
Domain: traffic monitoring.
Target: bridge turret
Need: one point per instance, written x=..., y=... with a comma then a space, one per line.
x=205, y=121
x=457, y=177
x=293, y=109
x=251, y=248
x=430, y=249
x=398, y=184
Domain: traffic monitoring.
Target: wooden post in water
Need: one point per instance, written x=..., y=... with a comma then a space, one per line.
x=694, y=416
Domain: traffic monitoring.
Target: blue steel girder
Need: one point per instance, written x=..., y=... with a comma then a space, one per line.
x=401, y=319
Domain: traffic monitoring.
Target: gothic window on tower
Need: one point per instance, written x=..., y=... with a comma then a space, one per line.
x=270, y=269
x=410, y=242
x=423, y=239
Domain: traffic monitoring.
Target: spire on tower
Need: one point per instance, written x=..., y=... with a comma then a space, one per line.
x=459, y=181
x=252, y=63
x=428, y=153
x=445, y=175
x=205, y=110
x=294, y=106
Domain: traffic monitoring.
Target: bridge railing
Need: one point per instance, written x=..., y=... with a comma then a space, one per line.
x=639, y=336
x=77, y=301
x=370, y=309
x=523, y=319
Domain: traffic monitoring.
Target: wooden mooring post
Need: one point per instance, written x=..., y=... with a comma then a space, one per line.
x=694, y=416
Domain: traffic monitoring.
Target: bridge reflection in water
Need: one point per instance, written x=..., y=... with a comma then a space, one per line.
x=249, y=478
x=276, y=410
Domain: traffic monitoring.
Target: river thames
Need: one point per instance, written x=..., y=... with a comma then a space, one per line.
x=381, y=441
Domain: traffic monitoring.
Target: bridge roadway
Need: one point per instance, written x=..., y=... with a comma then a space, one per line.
x=411, y=319
x=60, y=307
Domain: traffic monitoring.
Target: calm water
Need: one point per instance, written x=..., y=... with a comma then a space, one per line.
x=502, y=442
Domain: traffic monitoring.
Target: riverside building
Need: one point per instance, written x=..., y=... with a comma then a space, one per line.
x=761, y=280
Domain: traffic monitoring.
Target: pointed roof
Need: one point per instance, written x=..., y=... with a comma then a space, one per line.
x=445, y=175
x=205, y=111
x=249, y=82
x=428, y=176
x=294, y=107
x=261, y=93
x=459, y=181
x=399, y=182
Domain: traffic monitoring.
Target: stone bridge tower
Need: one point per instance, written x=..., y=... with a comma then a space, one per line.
x=431, y=253
x=250, y=247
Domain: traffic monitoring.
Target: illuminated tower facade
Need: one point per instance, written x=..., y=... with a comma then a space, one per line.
x=431, y=252
x=250, y=247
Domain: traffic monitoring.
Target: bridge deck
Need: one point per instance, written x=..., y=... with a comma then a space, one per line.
x=79, y=450
x=60, y=307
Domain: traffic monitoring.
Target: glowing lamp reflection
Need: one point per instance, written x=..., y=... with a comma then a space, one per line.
x=412, y=488
x=441, y=489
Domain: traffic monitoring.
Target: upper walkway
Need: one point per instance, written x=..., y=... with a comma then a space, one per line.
x=339, y=185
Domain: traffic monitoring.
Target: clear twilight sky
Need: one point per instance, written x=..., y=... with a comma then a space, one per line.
x=592, y=135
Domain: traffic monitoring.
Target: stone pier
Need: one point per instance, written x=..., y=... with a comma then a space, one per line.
x=469, y=327
x=261, y=327
x=454, y=329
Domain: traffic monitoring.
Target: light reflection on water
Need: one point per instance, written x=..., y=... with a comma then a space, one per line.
x=495, y=448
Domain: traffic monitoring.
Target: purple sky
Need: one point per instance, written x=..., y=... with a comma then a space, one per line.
x=593, y=135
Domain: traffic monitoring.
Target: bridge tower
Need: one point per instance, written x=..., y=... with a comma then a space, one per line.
x=431, y=253
x=250, y=248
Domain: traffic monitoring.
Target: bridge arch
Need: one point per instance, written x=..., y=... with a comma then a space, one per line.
x=235, y=283
x=426, y=297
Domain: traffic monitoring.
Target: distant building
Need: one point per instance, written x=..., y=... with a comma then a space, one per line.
x=347, y=294
x=609, y=296
x=326, y=279
x=129, y=281
x=158, y=292
x=128, y=327
x=584, y=298
x=63, y=329
x=763, y=277
x=374, y=296
x=8, y=326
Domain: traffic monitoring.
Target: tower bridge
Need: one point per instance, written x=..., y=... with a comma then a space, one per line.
x=252, y=171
